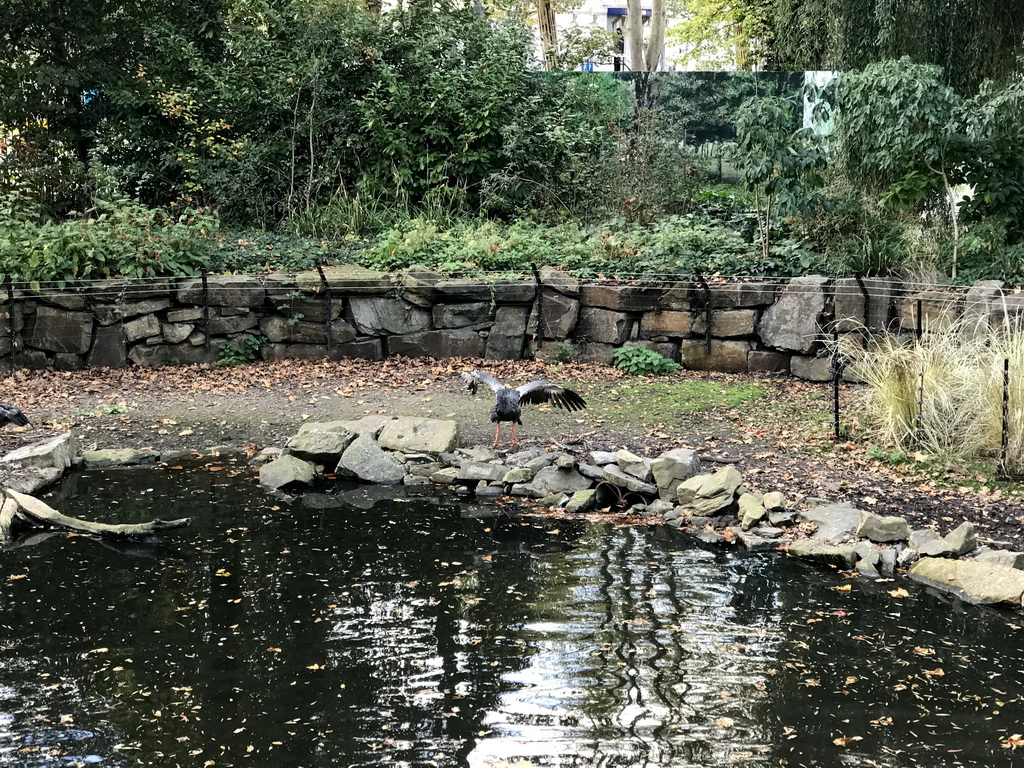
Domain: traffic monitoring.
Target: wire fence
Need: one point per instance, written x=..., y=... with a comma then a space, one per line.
x=905, y=306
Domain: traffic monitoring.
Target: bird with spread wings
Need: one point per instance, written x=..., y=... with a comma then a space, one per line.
x=11, y=414
x=507, y=401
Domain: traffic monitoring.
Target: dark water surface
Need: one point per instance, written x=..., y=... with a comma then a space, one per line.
x=336, y=631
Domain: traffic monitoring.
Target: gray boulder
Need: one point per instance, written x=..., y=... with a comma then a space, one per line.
x=142, y=328
x=223, y=291
x=600, y=458
x=508, y=334
x=687, y=489
x=448, y=342
x=56, y=452
x=882, y=529
x=868, y=558
x=717, y=492
x=1002, y=557
x=364, y=459
x=552, y=480
x=791, y=323
x=634, y=465
x=922, y=536
x=581, y=501
x=751, y=511
x=603, y=325
x=124, y=457
x=57, y=330
x=372, y=424
x=287, y=472
x=518, y=475
x=672, y=467
x=460, y=315
x=842, y=555
x=615, y=476
x=352, y=279
x=374, y=315
x=972, y=581
x=958, y=542
x=835, y=522
x=419, y=435
x=475, y=471
x=320, y=446
x=446, y=476
x=108, y=314
x=774, y=502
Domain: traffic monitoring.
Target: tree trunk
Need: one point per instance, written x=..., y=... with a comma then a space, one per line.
x=656, y=43
x=635, y=35
x=19, y=509
x=548, y=34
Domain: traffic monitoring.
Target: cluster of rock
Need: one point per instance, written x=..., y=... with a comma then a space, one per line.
x=718, y=509
x=754, y=325
x=38, y=465
x=417, y=451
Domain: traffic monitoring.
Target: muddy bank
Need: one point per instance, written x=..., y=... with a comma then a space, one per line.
x=776, y=427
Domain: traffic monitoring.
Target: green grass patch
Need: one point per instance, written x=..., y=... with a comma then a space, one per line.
x=664, y=401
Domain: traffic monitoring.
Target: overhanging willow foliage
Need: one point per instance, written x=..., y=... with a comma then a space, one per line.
x=972, y=40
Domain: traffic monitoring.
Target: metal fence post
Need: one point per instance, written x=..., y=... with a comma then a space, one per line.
x=539, y=336
x=206, y=309
x=837, y=372
x=327, y=306
x=10, y=320
x=707, y=313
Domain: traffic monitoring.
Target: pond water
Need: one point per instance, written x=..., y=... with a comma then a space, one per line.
x=357, y=627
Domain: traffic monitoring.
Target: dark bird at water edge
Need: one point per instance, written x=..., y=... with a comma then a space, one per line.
x=11, y=414
x=507, y=401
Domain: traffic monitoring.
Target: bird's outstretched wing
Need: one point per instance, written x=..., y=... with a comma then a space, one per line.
x=11, y=414
x=534, y=392
x=474, y=379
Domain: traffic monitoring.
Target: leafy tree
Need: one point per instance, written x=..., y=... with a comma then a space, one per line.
x=777, y=163
x=993, y=123
x=723, y=34
x=972, y=40
x=60, y=62
x=899, y=132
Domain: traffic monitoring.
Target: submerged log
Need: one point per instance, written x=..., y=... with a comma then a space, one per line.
x=18, y=509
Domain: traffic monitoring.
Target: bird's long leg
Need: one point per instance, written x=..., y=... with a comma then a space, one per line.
x=513, y=441
x=497, y=431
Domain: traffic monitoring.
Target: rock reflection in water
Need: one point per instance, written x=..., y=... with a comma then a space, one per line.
x=364, y=627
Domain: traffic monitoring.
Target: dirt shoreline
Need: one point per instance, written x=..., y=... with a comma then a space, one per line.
x=778, y=428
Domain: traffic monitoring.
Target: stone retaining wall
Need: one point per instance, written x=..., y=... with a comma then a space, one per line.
x=756, y=326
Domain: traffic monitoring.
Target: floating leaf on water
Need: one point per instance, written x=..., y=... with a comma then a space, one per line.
x=845, y=741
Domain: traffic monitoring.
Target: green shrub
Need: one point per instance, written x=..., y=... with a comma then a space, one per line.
x=259, y=252
x=241, y=352
x=641, y=361
x=119, y=237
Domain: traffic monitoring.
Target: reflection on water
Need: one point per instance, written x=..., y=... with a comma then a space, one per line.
x=361, y=627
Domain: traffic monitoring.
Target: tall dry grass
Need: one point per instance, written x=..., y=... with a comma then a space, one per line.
x=943, y=393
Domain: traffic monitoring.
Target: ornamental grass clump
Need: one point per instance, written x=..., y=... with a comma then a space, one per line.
x=942, y=394
x=1008, y=344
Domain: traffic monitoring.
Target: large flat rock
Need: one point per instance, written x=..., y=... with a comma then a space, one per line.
x=835, y=522
x=418, y=435
x=56, y=452
x=971, y=580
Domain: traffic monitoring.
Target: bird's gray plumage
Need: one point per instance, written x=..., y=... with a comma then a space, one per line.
x=507, y=401
x=11, y=414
